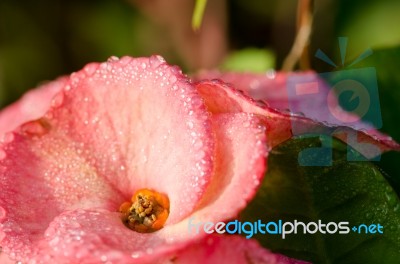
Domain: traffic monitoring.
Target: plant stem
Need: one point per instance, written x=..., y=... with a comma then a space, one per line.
x=299, y=51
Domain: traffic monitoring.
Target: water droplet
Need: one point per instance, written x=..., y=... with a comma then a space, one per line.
x=156, y=60
x=57, y=100
x=255, y=84
x=7, y=137
x=135, y=254
x=190, y=124
x=172, y=78
x=2, y=235
x=90, y=69
x=3, y=155
x=198, y=145
x=74, y=78
x=113, y=58
x=2, y=213
x=176, y=70
x=271, y=74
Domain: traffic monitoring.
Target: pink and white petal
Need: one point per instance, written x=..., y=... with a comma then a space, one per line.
x=39, y=179
x=240, y=165
x=150, y=125
x=241, y=153
x=98, y=236
x=116, y=127
x=95, y=234
x=33, y=105
x=222, y=98
x=230, y=249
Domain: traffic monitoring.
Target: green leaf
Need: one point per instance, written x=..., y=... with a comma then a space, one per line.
x=354, y=192
x=198, y=13
x=386, y=62
x=250, y=60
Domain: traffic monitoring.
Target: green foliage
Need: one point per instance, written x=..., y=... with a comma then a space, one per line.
x=386, y=62
x=250, y=60
x=355, y=192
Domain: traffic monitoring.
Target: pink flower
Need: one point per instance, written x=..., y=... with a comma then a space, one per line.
x=76, y=150
x=274, y=101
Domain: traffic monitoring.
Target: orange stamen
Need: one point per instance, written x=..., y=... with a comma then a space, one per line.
x=147, y=212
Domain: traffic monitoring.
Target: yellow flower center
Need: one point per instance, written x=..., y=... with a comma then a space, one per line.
x=147, y=212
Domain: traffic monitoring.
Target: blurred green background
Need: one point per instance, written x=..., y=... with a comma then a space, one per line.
x=43, y=39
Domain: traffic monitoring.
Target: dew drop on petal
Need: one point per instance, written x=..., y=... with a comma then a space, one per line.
x=172, y=79
x=256, y=182
x=135, y=255
x=246, y=123
x=254, y=85
x=271, y=74
x=113, y=58
x=190, y=124
x=176, y=70
x=3, y=155
x=2, y=213
x=198, y=144
x=57, y=100
x=175, y=87
x=156, y=60
x=2, y=235
x=7, y=137
x=89, y=69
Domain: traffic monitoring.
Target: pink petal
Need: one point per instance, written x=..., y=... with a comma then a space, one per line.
x=241, y=152
x=31, y=106
x=96, y=234
x=270, y=87
x=230, y=249
x=4, y=259
x=116, y=127
x=222, y=98
x=273, y=89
